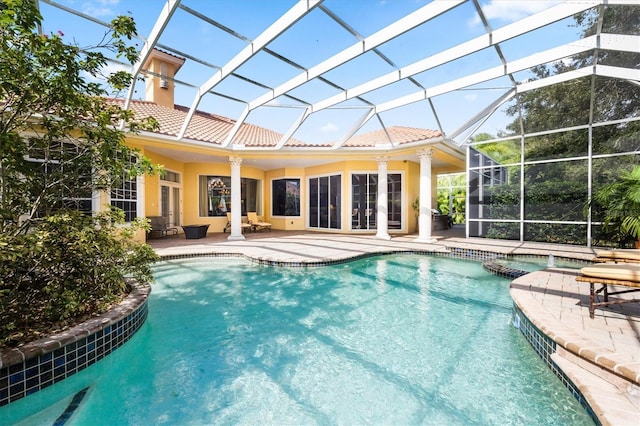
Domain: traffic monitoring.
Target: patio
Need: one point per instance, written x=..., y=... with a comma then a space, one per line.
x=601, y=356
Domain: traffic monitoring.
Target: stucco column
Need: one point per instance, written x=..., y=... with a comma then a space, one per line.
x=424, y=218
x=236, y=200
x=382, y=216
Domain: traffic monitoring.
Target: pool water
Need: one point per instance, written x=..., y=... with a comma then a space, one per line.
x=533, y=263
x=398, y=339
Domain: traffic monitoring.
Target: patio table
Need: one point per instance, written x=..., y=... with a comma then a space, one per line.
x=192, y=232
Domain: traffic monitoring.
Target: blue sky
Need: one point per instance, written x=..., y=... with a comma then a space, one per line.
x=316, y=37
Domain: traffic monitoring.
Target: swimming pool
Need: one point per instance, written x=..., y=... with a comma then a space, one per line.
x=398, y=339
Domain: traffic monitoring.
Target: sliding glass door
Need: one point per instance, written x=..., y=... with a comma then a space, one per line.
x=325, y=202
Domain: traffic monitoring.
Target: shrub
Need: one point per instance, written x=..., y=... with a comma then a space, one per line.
x=69, y=266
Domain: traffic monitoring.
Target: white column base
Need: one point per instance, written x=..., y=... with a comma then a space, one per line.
x=382, y=236
x=427, y=240
x=235, y=237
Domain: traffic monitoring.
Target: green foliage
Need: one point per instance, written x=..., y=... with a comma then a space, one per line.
x=49, y=111
x=458, y=203
x=481, y=137
x=452, y=190
x=70, y=265
x=555, y=200
x=503, y=231
x=555, y=233
x=544, y=201
x=620, y=201
x=501, y=152
x=503, y=201
x=60, y=142
x=416, y=206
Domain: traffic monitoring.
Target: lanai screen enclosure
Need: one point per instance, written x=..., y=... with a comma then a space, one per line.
x=544, y=96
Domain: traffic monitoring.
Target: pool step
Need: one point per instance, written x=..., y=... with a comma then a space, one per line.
x=47, y=411
x=611, y=397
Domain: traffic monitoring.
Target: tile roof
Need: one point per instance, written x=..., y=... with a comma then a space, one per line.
x=396, y=135
x=212, y=128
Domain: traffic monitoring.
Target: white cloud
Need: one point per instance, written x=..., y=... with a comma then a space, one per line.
x=97, y=12
x=106, y=71
x=100, y=8
x=512, y=10
x=112, y=67
x=329, y=128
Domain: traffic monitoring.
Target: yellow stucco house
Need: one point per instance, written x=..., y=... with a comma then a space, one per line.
x=214, y=166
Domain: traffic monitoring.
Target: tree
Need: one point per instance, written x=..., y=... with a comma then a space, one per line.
x=60, y=143
x=568, y=104
x=559, y=190
x=503, y=153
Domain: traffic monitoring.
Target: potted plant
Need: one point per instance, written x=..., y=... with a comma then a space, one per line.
x=620, y=201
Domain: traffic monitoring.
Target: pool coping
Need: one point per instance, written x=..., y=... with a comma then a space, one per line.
x=607, y=379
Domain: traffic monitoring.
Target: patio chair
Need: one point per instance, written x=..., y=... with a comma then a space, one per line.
x=257, y=224
x=243, y=226
x=623, y=275
x=160, y=227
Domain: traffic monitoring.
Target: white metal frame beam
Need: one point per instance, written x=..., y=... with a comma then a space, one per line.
x=163, y=19
x=500, y=35
x=606, y=41
x=484, y=113
x=293, y=15
x=372, y=42
x=492, y=38
x=523, y=64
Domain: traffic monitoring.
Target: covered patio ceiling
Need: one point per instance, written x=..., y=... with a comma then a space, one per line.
x=326, y=71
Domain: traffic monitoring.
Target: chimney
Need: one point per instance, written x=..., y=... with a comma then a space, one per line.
x=161, y=67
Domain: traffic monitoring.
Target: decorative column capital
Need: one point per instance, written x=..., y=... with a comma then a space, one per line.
x=382, y=160
x=425, y=154
x=235, y=161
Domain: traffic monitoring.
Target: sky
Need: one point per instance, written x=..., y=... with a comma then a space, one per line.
x=316, y=37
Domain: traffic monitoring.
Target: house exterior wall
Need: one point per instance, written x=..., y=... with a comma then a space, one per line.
x=190, y=173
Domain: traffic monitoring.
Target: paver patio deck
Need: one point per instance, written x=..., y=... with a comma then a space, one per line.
x=600, y=355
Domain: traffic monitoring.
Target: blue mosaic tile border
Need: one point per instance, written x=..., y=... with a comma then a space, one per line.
x=501, y=270
x=27, y=370
x=453, y=253
x=474, y=254
x=306, y=264
x=545, y=347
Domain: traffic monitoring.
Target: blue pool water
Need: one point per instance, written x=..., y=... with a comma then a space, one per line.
x=533, y=263
x=401, y=339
